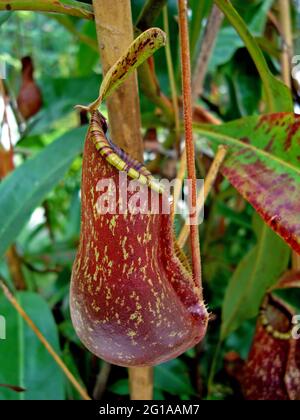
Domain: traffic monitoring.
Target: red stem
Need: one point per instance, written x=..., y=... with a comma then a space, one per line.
x=188, y=123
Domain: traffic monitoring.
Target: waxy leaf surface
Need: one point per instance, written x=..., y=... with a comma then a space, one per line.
x=263, y=164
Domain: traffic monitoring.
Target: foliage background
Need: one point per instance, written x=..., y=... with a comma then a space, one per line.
x=68, y=72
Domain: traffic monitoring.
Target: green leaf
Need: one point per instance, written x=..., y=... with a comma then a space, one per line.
x=242, y=79
x=199, y=11
x=68, y=359
x=23, y=190
x=60, y=95
x=24, y=360
x=278, y=96
x=172, y=377
x=138, y=52
x=256, y=273
x=228, y=41
x=4, y=16
x=263, y=164
x=121, y=387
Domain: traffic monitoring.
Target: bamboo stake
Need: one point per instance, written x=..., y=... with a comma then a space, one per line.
x=287, y=47
x=287, y=52
x=141, y=383
x=115, y=34
x=44, y=341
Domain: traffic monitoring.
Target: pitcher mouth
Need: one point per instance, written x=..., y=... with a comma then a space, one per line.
x=117, y=157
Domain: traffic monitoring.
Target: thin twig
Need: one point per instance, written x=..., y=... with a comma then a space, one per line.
x=208, y=184
x=115, y=34
x=44, y=341
x=101, y=382
x=274, y=21
x=212, y=28
x=13, y=387
x=150, y=13
x=172, y=76
x=206, y=116
x=148, y=82
x=14, y=264
x=5, y=116
x=150, y=87
x=213, y=368
x=47, y=270
x=180, y=177
x=287, y=47
x=73, y=8
x=190, y=152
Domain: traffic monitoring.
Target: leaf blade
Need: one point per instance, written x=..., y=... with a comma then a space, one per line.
x=263, y=164
x=253, y=277
x=278, y=96
x=139, y=51
x=26, y=187
x=34, y=364
x=142, y=48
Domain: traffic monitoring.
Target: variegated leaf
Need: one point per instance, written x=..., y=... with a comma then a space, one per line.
x=138, y=52
x=263, y=164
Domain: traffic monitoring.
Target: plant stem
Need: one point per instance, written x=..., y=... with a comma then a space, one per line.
x=148, y=81
x=287, y=52
x=150, y=13
x=102, y=380
x=44, y=341
x=178, y=186
x=212, y=28
x=277, y=96
x=115, y=34
x=213, y=368
x=196, y=27
x=70, y=7
x=172, y=76
x=15, y=268
x=141, y=383
x=287, y=47
x=190, y=152
x=208, y=184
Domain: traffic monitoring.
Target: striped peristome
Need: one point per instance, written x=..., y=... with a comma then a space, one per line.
x=118, y=157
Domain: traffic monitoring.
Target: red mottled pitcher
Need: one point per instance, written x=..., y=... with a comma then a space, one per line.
x=133, y=300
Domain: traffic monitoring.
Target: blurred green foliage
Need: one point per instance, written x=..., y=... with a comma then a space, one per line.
x=69, y=73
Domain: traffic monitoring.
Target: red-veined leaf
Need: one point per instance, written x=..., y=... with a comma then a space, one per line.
x=263, y=164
